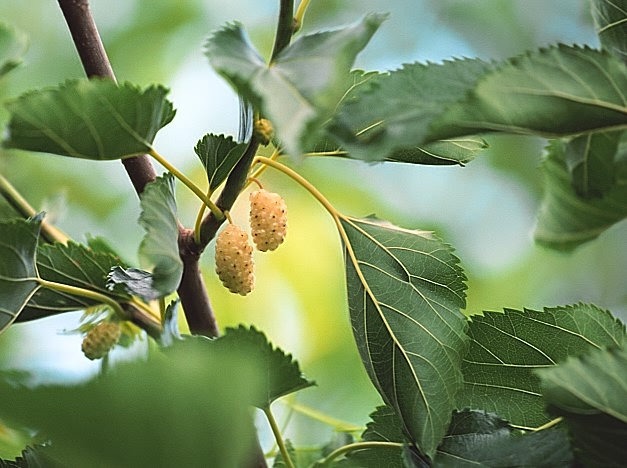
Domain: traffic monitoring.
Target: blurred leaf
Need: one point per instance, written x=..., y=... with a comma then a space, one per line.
x=590, y=392
x=405, y=292
x=171, y=333
x=13, y=46
x=218, y=154
x=91, y=119
x=75, y=265
x=454, y=151
x=32, y=457
x=566, y=220
x=556, y=91
x=300, y=89
x=18, y=274
x=609, y=17
x=590, y=161
x=133, y=281
x=479, y=439
x=506, y=349
x=281, y=373
x=182, y=408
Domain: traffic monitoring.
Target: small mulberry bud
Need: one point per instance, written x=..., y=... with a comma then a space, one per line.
x=100, y=339
x=264, y=131
x=268, y=219
x=234, y=260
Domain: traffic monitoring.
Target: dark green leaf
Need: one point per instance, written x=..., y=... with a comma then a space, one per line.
x=281, y=373
x=299, y=91
x=159, y=248
x=12, y=48
x=188, y=407
x=609, y=17
x=95, y=119
x=18, y=274
x=454, y=151
x=567, y=220
x=507, y=348
x=75, y=265
x=478, y=439
x=385, y=426
x=405, y=292
x=590, y=392
x=218, y=154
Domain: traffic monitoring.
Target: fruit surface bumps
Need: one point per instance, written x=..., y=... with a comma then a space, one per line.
x=268, y=219
x=100, y=339
x=234, y=260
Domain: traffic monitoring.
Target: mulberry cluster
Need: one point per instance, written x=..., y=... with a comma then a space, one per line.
x=100, y=339
x=268, y=219
x=234, y=260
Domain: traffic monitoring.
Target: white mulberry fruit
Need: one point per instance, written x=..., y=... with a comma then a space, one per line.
x=100, y=339
x=268, y=219
x=234, y=260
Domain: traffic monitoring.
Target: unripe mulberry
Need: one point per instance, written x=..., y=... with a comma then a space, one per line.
x=264, y=131
x=234, y=260
x=268, y=219
x=100, y=339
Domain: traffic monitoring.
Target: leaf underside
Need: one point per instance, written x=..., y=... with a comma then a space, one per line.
x=609, y=17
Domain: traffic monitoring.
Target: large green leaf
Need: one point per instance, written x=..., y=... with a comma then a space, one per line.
x=609, y=17
x=556, y=91
x=567, y=220
x=18, y=274
x=405, y=292
x=218, y=154
x=12, y=48
x=300, y=89
x=188, y=407
x=95, y=119
x=590, y=392
x=506, y=349
x=280, y=372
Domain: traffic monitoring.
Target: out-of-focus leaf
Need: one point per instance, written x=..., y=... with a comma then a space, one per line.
x=281, y=373
x=91, y=119
x=609, y=17
x=171, y=333
x=133, y=281
x=18, y=274
x=218, y=154
x=590, y=393
x=444, y=152
x=405, y=292
x=556, y=91
x=566, y=220
x=506, y=349
x=12, y=47
x=187, y=407
x=298, y=91
x=483, y=440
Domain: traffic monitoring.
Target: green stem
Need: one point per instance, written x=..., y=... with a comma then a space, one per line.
x=336, y=424
x=278, y=437
x=285, y=28
x=75, y=291
x=300, y=12
x=186, y=181
x=356, y=446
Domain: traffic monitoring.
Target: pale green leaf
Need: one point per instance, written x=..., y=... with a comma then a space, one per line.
x=506, y=349
x=134, y=281
x=298, y=92
x=218, y=154
x=610, y=19
x=444, y=152
x=96, y=119
x=405, y=292
x=590, y=393
x=18, y=274
x=566, y=220
x=12, y=48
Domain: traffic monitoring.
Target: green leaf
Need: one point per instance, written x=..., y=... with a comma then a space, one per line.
x=133, y=281
x=590, y=393
x=444, y=152
x=405, y=292
x=32, y=457
x=609, y=17
x=13, y=46
x=171, y=333
x=479, y=439
x=75, y=265
x=18, y=274
x=180, y=408
x=300, y=89
x=567, y=220
x=506, y=349
x=281, y=373
x=218, y=154
x=95, y=119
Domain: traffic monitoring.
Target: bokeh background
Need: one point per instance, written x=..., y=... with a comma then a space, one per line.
x=486, y=210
